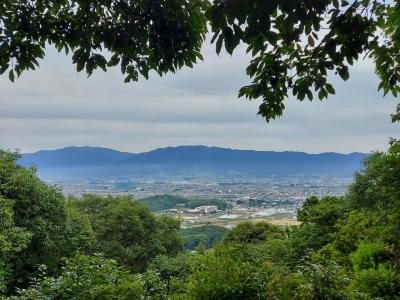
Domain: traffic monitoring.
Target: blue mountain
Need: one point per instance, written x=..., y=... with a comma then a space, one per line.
x=191, y=161
x=73, y=157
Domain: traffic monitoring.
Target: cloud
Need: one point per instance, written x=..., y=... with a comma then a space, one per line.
x=55, y=107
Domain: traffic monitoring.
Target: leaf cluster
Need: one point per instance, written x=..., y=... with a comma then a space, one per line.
x=296, y=44
x=139, y=36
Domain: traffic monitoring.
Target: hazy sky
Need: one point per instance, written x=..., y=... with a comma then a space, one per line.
x=54, y=107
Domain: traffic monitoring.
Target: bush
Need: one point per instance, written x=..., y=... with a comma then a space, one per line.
x=86, y=278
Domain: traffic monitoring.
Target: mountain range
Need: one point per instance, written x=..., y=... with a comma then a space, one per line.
x=189, y=161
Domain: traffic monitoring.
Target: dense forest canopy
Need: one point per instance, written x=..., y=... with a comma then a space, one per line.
x=41, y=227
x=114, y=248
x=294, y=45
x=163, y=202
x=203, y=236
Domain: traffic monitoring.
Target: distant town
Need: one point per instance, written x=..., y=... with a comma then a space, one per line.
x=275, y=199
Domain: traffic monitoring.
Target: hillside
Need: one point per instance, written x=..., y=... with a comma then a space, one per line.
x=189, y=161
x=162, y=202
x=74, y=157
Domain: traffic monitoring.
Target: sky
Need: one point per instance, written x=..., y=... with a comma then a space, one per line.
x=54, y=106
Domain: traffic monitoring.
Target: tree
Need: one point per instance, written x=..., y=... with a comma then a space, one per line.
x=12, y=240
x=79, y=234
x=366, y=240
x=207, y=234
x=128, y=232
x=228, y=272
x=37, y=209
x=346, y=248
x=139, y=35
x=248, y=232
x=382, y=282
x=37, y=227
x=377, y=186
x=166, y=275
x=324, y=212
x=318, y=217
x=294, y=44
x=86, y=278
x=374, y=202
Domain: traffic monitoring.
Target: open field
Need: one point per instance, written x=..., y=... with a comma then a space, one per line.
x=229, y=220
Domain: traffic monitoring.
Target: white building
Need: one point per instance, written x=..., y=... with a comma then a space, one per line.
x=206, y=209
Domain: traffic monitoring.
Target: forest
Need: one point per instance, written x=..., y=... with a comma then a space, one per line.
x=162, y=202
x=104, y=247
x=95, y=247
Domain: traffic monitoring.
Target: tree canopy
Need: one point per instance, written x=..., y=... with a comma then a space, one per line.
x=38, y=213
x=126, y=230
x=294, y=45
x=39, y=227
x=139, y=36
x=345, y=248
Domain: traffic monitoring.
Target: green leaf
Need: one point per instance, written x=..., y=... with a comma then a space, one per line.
x=218, y=45
x=330, y=88
x=11, y=76
x=311, y=41
x=114, y=60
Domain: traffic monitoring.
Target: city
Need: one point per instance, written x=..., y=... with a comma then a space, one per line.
x=275, y=199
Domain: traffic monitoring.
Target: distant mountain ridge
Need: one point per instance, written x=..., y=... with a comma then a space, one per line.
x=74, y=156
x=190, y=161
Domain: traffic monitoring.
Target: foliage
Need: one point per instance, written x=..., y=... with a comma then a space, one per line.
x=12, y=239
x=249, y=232
x=367, y=240
x=138, y=35
x=368, y=255
x=39, y=227
x=378, y=185
x=346, y=247
x=323, y=212
x=318, y=217
x=296, y=44
x=288, y=286
x=163, y=202
x=166, y=276
x=86, y=278
x=209, y=235
x=126, y=230
x=382, y=282
x=227, y=273
x=305, y=239
x=79, y=234
x=37, y=209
